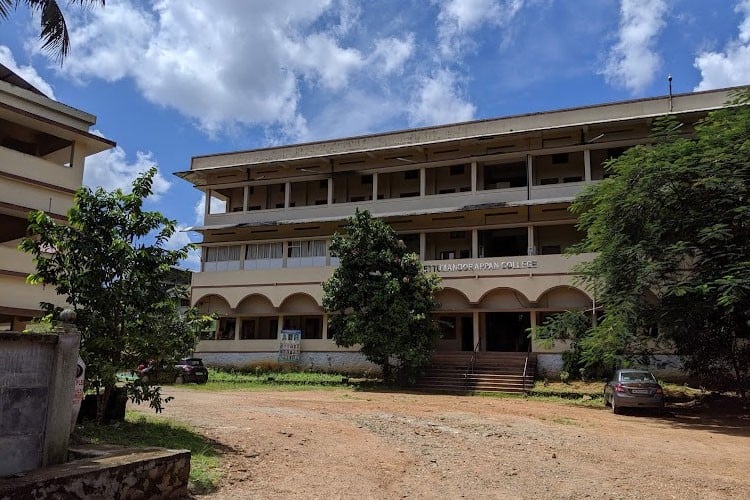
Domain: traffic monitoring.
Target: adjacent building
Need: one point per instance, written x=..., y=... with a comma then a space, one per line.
x=43, y=145
x=484, y=204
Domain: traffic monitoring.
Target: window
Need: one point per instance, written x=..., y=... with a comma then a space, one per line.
x=411, y=175
x=560, y=158
x=306, y=253
x=458, y=169
x=226, y=258
x=264, y=255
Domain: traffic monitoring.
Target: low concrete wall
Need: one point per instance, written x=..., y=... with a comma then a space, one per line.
x=133, y=473
x=345, y=362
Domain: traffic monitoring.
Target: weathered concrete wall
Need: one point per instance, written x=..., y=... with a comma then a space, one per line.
x=37, y=376
x=146, y=473
x=345, y=362
x=26, y=362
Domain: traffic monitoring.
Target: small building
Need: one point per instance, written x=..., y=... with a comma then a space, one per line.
x=43, y=145
x=484, y=204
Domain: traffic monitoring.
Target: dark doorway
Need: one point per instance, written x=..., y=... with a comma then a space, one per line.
x=467, y=333
x=507, y=331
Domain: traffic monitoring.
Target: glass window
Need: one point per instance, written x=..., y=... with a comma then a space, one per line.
x=224, y=258
x=306, y=253
x=264, y=255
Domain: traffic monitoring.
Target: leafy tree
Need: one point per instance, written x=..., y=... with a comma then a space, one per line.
x=54, y=30
x=117, y=284
x=671, y=228
x=381, y=298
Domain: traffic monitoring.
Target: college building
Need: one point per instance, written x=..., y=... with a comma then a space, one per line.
x=43, y=145
x=484, y=204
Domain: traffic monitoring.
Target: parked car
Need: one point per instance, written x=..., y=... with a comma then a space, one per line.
x=191, y=370
x=157, y=372
x=633, y=389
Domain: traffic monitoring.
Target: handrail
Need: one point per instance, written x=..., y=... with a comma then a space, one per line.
x=525, y=366
x=472, y=361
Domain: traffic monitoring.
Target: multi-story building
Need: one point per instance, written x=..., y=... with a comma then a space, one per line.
x=43, y=144
x=483, y=203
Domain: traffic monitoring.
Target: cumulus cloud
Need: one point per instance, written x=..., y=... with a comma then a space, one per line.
x=178, y=240
x=438, y=100
x=391, y=54
x=732, y=66
x=633, y=61
x=28, y=73
x=202, y=59
x=458, y=18
x=111, y=170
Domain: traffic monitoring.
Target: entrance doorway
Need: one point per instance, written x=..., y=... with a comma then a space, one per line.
x=507, y=331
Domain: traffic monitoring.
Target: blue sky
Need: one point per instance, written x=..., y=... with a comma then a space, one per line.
x=172, y=79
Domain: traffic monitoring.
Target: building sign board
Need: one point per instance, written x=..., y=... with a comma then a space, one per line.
x=482, y=266
x=289, y=345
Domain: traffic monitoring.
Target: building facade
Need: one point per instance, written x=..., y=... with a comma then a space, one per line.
x=43, y=145
x=484, y=204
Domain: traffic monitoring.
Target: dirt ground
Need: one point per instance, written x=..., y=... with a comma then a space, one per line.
x=349, y=444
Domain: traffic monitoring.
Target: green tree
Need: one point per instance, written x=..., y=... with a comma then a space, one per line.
x=53, y=29
x=380, y=297
x=671, y=228
x=116, y=282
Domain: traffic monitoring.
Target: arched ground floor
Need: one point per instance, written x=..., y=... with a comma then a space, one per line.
x=250, y=329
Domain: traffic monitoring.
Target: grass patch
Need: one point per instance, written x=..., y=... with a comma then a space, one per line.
x=227, y=380
x=144, y=430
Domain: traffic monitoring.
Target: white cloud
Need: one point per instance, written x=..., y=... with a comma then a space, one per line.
x=226, y=63
x=438, y=100
x=199, y=209
x=391, y=54
x=28, y=73
x=731, y=67
x=633, y=62
x=178, y=240
x=111, y=170
x=458, y=18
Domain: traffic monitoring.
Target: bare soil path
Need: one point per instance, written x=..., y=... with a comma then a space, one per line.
x=381, y=445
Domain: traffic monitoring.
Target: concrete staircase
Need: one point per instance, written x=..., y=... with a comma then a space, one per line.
x=492, y=372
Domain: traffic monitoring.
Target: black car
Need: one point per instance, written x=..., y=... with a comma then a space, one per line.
x=184, y=371
x=191, y=370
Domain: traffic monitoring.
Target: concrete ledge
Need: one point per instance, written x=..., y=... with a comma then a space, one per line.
x=125, y=473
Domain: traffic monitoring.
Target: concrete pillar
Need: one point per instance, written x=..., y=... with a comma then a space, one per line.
x=474, y=243
x=533, y=322
x=287, y=194
x=281, y=326
x=529, y=175
x=325, y=326
x=422, y=246
x=245, y=194
x=330, y=190
x=422, y=182
x=237, y=328
x=587, y=165
x=473, y=177
x=61, y=390
x=207, y=202
x=375, y=186
x=532, y=243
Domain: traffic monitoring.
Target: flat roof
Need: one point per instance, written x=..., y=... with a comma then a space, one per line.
x=511, y=125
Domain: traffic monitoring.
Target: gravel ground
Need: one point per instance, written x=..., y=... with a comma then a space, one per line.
x=349, y=444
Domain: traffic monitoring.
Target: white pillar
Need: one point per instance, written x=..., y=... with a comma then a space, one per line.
x=244, y=198
x=529, y=174
x=325, y=326
x=280, y=327
x=587, y=165
x=330, y=190
x=237, y=326
x=287, y=194
x=533, y=320
x=473, y=177
x=532, y=243
x=422, y=181
x=422, y=246
x=375, y=186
